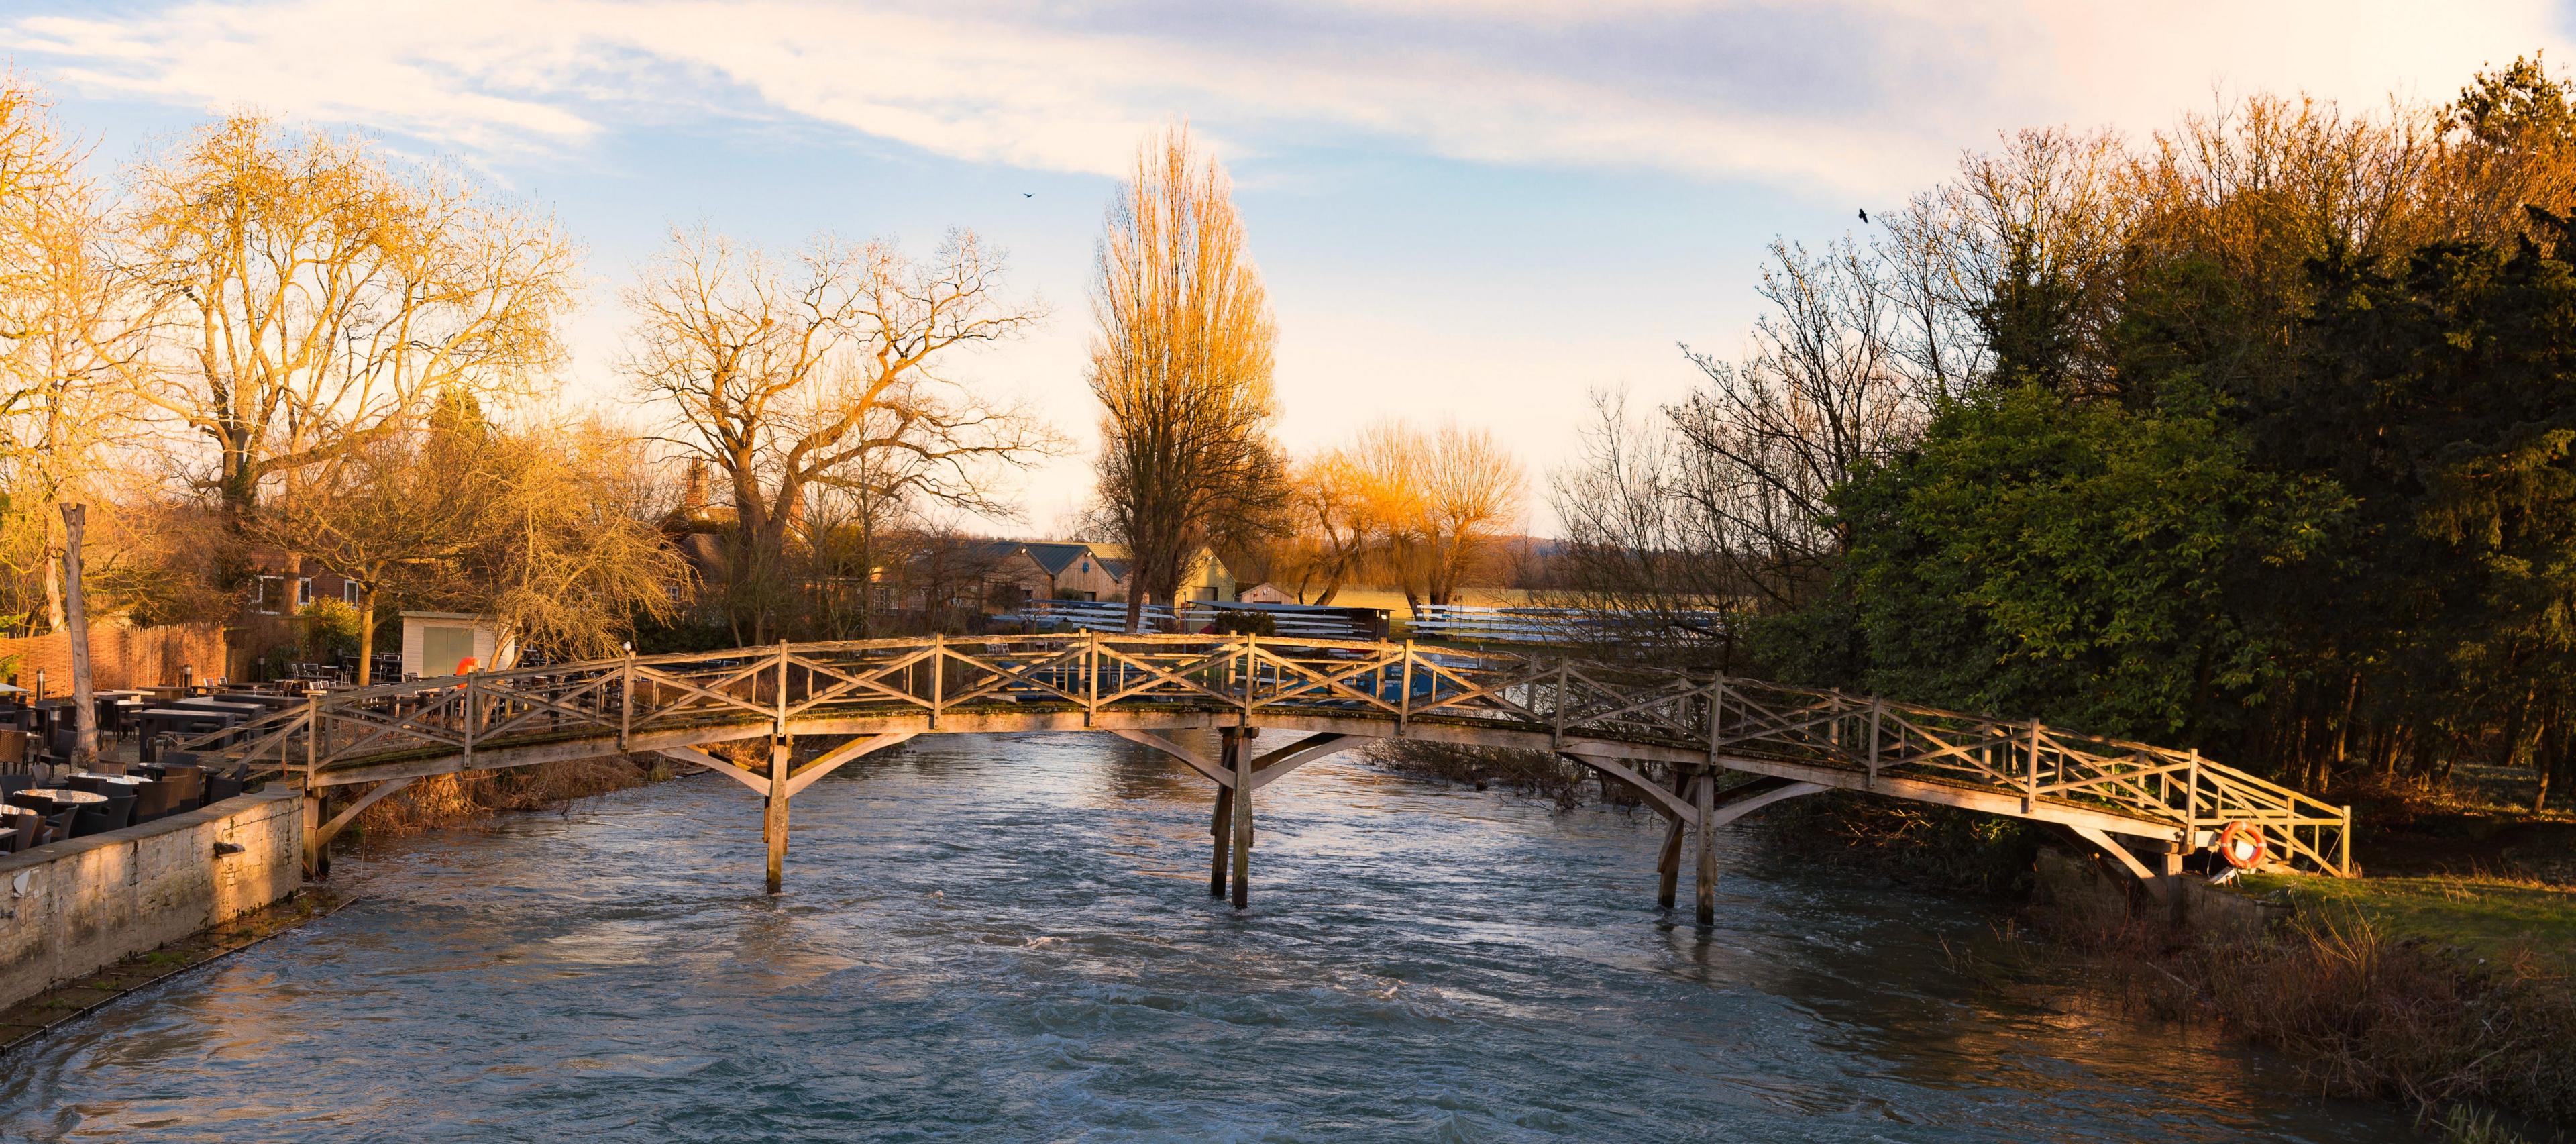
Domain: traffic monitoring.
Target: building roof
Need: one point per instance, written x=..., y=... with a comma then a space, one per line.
x=1057, y=555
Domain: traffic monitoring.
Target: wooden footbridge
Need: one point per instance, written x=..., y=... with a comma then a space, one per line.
x=1703, y=751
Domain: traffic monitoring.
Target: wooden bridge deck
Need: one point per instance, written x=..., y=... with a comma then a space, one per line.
x=1666, y=733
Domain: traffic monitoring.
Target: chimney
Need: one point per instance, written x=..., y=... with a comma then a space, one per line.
x=693, y=500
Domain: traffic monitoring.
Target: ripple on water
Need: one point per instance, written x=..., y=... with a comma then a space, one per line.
x=1008, y=939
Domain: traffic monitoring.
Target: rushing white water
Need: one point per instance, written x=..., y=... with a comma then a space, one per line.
x=1007, y=939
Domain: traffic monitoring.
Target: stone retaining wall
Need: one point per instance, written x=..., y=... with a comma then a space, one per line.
x=71, y=907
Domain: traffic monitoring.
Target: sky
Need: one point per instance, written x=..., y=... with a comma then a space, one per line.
x=1470, y=210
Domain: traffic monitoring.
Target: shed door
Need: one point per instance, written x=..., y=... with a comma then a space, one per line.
x=442, y=647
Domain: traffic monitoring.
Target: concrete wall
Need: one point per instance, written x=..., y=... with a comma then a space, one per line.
x=74, y=906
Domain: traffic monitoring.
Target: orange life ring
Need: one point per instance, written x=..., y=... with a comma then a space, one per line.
x=2242, y=845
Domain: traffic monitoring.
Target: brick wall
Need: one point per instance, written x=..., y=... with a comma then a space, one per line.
x=121, y=656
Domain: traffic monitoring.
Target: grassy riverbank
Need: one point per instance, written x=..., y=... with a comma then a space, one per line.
x=2453, y=993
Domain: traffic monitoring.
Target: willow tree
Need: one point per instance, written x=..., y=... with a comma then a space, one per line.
x=825, y=369
x=322, y=297
x=1181, y=362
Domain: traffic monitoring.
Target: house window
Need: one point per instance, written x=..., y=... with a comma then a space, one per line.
x=349, y=592
x=303, y=591
x=272, y=595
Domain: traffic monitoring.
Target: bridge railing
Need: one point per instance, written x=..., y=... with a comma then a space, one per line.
x=1249, y=676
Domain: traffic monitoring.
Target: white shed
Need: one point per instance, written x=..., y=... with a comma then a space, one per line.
x=434, y=643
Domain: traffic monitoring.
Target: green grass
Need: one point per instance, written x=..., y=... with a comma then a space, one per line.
x=2484, y=918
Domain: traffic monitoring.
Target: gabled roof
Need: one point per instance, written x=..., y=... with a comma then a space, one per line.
x=1056, y=555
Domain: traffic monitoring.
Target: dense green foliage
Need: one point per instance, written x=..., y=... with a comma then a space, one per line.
x=2077, y=562
x=2295, y=484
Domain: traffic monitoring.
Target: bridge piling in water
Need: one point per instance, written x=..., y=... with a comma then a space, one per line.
x=1220, y=830
x=773, y=818
x=1239, y=761
x=1704, y=800
x=1668, y=866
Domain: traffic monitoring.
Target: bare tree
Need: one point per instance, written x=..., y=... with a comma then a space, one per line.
x=69, y=343
x=1433, y=505
x=1821, y=394
x=323, y=297
x=571, y=557
x=1181, y=363
x=825, y=368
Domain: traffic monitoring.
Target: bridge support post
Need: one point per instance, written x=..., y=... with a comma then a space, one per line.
x=317, y=846
x=1220, y=828
x=773, y=818
x=1704, y=800
x=1668, y=867
x=1241, y=763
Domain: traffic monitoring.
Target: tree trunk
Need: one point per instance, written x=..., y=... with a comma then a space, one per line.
x=366, y=636
x=84, y=709
x=54, y=618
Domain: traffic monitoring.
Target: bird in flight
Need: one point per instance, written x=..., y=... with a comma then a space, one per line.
x=1028, y=194
x=1864, y=217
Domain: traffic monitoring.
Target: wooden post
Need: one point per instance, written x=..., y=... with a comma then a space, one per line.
x=1404, y=701
x=2191, y=806
x=76, y=616
x=1221, y=826
x=317, y=853
x=1091, y=676
x=938, y=675
x=1668, y=867
x=773, y=819
x=1877, y=710
x=1704, y=800
x=2030, y=776
x=626, y=698
x=2343, y=846
x=1242, y=817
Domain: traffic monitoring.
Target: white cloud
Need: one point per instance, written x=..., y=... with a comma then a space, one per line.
x=1870, y=95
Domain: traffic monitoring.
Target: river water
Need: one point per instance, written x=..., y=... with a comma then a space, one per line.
x=1011, y=938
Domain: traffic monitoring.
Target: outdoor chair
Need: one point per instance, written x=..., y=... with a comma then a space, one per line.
x=115, y=814
x=155, y=799
x=19, y=831
x=58, y=826
x=222, y=786
x=84, y=782
x=12, y=784
x=14, y=749
x=187, y=786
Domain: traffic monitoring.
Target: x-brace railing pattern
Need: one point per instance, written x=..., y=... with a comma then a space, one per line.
x=1249, y=677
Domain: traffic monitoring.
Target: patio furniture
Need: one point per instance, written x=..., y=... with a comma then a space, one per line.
x=48, y=800
x=155, y=722
x=115, y=813
x=155, y=798
x=19, y=828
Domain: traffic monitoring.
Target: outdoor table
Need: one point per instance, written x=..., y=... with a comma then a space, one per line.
x=223, y=705
x=185, y=722
x=120, y=780
x=60, y=798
